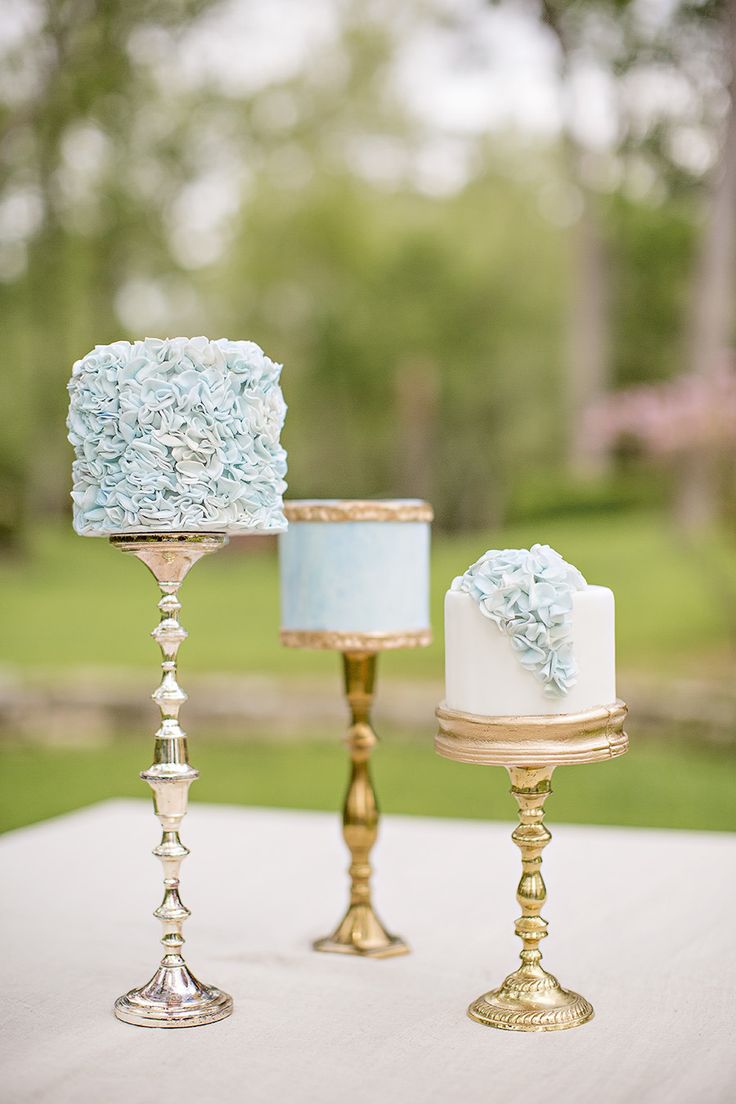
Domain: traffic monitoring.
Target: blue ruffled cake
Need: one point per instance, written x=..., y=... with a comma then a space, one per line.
x=178, y=435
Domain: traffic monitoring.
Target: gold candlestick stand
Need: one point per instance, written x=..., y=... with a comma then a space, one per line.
x=530, y=748
x=360, y=932
x=173, y=997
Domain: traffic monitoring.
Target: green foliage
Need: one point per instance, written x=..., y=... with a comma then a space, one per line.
x=652, y=276
x=554, y=494
x=425, y=336
x=364, y=284
x=71, y=148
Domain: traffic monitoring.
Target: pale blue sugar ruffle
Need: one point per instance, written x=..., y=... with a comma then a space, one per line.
x=529, y=595
x=177, y=435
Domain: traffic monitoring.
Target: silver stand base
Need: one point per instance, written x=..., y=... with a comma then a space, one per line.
x=173, y=998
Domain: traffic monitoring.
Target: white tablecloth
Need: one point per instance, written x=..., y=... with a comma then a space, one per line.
x=641, y=923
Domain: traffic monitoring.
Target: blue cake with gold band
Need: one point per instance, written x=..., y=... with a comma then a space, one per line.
x=177, y=435
x=355, y=569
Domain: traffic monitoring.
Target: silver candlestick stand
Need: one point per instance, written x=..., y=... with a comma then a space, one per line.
x=173, y=997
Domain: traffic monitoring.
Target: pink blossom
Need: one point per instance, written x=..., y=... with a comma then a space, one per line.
x=678, y=416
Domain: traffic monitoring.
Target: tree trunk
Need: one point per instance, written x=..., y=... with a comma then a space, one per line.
x=713, y=291
x=589, y=321
x=417, y=407
x=714, y=287
x=589, y=342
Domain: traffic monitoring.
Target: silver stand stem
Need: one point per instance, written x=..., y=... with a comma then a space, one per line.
x=173, y=997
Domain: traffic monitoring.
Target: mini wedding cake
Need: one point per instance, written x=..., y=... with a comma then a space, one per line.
x=525, y=635
x=352, y=566
x=178, y=435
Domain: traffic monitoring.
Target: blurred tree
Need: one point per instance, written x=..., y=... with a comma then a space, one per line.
x=589, y=338
x=652, y=148
x=633, y=50
x=74, y=102
x=144, y=186
x=651, y=276
x=714, y=288
x=364, y=283
x=697, y=46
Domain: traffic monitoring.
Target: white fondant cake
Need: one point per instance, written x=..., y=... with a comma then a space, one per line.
x=175, y=436
x=355, y=566
x=517, y=644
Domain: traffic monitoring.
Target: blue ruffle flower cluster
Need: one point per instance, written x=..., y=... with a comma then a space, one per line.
x=178, y=435
x=528, y=594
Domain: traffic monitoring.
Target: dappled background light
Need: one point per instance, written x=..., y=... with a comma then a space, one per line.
x=491, y=242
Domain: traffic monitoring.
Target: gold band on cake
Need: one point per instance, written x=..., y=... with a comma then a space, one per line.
x=359, y=510
x=327, y=640
x=555, y=739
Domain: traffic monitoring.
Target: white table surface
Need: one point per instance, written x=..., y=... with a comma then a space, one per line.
x=641, y=923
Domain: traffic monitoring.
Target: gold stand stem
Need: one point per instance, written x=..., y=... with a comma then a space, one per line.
x=530, y=999
x=360, y=931
x=173, y=997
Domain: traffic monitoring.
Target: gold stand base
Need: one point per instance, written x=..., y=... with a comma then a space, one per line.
x=362, y=933
x=530, y=748
x=531, y=1000
x=173, y=998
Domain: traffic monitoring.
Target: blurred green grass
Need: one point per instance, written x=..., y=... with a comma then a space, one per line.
x=653, y=786
x=79, y=602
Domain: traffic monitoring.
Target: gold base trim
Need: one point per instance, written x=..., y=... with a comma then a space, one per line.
x=362, y=933
x=355, y=641
x=358, y=509
x=392, y=950
x=530, y=748
x=514, y=1006
x=556, y=739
